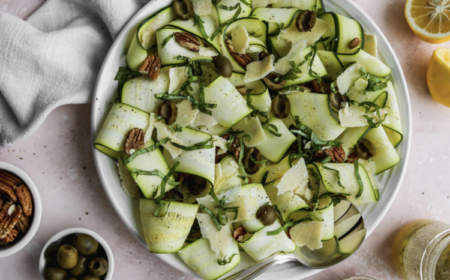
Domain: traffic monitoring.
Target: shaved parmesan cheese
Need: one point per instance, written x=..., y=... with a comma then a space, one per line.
x=240, y=39
x=151, y=126
x=295, y=54
x=293, y=35
x=221, y=143
x=308, y=145
x=127, y=181
x=164, y=132
x=308, y=234
x=204, y=120
x=177, y=78
x=207, y=51
x=257, y=70
x=295, y=178
x=252, y=126
x=226, y=176
x=208, y=202
x=347, y=79
x=259, y=3
x=353, y=116
x=203, y=8
x=220, y=241
x=186, y=115
x=236, y=198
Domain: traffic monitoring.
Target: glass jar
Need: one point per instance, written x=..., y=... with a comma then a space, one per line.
x=421, y=251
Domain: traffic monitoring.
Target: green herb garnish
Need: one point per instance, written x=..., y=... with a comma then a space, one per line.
x=225, y=261
x=164, y=43
x=146, y=150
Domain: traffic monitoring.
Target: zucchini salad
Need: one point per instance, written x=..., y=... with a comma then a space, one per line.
x=241, y=125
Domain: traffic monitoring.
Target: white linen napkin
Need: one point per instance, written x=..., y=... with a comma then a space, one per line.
x=53, y=58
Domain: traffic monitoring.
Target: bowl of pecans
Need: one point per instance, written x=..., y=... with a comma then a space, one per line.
x=20, y=209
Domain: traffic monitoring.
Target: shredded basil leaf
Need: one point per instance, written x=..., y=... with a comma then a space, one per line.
x=198, y=146
x=123, y=75
x=232, y=135
x=164, y=182
x=198, y=21
x=288, y=225
x=212, y=215
x=358, y=178
x=338, y=175
x=258, y=161
x=232, y=209
x=292, y=74
x=246, y=3
x=236, y=15
x=225, y=261
x=164, y=43
x=326, y=160
x=160, y=208
x=251, y=106
x=229, y=8
x=177, y=128
x=273, y=129
x=146, y=150
x=153, y=173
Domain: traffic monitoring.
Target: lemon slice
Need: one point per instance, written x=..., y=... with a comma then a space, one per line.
x=429, y=19
x=437, y=76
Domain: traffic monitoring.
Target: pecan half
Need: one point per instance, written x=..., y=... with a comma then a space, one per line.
x=135, y=141
x=23, y=224
x=10, y=237
x=188, y=41
x=151, y=67
x=4, y=211
x=24, y=196
x=11, y=222
x=352, y=158
x=239, y=233
x=9, y=179
x=242, y=59
x=354, y=43
x=336, y=154
x=8, y=192
x=242, y=90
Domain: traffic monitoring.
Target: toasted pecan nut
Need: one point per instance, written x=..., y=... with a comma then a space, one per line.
x=4, y=211
x=239, y=233
x=8, y=192
x=23, y=224
x=135, y=141
x=354, y=43
x=11, y=222
x=24, y=196
x=188, y=41
x=9, y=180
x=242, y=59
x=336, y=154
x=1, y=203
x=352, y=158
x=10, y=238
x=151, y=67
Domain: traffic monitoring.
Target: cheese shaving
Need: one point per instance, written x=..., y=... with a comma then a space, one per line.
x=177, y=78
x=240, y=39
x=352, y=116
x=257, y=70
x=203, y=8
x=164, y=132
x=221, y=143
x=259, y=3
x=308, y=234
x=252, y=126
x=295, y=54
x=186, y=115
x=150, y=128
x=296, y=178
x=220, y=241
x=347, y=79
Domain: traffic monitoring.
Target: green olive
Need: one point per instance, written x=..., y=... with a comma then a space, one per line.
x=183, y=9
x=223, y=66
x=365, y=149
x=90, y=277
x=67, y=256
x=336, y=100
x=173, y=194
x=55, y=273
x=72, y=278
x=168, y=111
x=80, y=267
x=281, y=106
x=306, y=20
x=271, y=83
x=50, y=254
x=98, y=266
x=249, y=165
x=85, y=244
x=195, y=184
x=267, y=214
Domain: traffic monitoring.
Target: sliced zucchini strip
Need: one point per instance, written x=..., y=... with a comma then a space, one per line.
x=167, y=232
x=372, y=64
x=276, y=17
x=314, y=112
x=227, y=175
x=386, y=156
x=256, y=197
x=225, y=15
x=331, y=62
x=394, y=129
x=308, y=69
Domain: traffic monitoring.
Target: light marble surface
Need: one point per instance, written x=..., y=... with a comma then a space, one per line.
x=59, y=159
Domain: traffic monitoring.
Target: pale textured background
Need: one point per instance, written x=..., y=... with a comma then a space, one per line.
x=59, y=159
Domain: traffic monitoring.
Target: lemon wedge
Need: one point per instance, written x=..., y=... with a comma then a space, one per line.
x=429, y=19
x=438, y=76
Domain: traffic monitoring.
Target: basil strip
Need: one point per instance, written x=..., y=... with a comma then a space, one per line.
x=292, y=74
x=236, y=15
x=326, y=160
x=288, y=225
x=229, y=8
x=232, y=209
x=338, y=175
x=358, y=178
x=198, y=146
x=198, y=21
x=232, y=135
x=164, y=43
x=161, y=207
x=241, y=156
x=164, y=181
x=246, y=3
x=178, y=128
x=225, y=261
x=251, y=106
x=176, y=97
x=154, y=173
x=201, y=97
x=273, y=129
x=211, y=214
x=146, y=150
x=123, y=75
x=258, y=161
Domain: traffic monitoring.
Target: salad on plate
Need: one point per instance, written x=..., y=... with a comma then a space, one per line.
x=241, y=125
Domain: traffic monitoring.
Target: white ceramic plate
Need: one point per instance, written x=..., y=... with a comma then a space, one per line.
x=128, y=210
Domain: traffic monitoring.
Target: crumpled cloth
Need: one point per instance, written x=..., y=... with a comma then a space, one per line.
x=53, y=58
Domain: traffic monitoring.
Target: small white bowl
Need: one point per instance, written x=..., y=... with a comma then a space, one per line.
x=37, y=211
x=60, y=235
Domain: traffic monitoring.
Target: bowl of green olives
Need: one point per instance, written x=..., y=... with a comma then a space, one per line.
x=76, y=254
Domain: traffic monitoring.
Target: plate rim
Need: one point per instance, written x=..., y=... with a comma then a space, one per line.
x=380, y=208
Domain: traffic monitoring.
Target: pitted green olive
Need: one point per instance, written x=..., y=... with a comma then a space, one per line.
x=98, y=266
x=223, y=66
x=267, y=214
x=195, y=184
x=85, y=244
x=183, y=9
x=80, y=267
x=55, y=273
x=173, y=194
x=365, y=149
x=67, y=256
x=249, y=165
x=271, y=83
x=306, y=20
x=50, y=254
x=336, y=100
x=168, y=111
x=281, y=106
